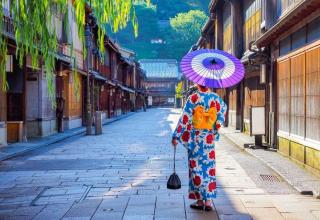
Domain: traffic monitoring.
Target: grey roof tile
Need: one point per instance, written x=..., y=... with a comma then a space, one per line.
x=160, y=68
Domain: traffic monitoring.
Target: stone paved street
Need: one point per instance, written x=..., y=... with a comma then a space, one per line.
x=122, y=174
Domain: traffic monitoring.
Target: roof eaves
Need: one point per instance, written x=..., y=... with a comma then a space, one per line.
x=271, y=34
x=212, y=5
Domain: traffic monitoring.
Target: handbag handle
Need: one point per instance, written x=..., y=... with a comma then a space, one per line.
x=174, y=159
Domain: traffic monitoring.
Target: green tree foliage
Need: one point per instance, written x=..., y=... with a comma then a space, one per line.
x=154, y=23
x=35, y=33
x=179, y=89
x=187, y=26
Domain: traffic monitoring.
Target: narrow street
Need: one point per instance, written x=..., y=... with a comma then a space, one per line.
x=122, y=174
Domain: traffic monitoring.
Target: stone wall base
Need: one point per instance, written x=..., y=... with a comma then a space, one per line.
x=41, y=128
x=232, y=118
x=72, y=123
x=246, y=127
x=3, y=134
x=306, y=156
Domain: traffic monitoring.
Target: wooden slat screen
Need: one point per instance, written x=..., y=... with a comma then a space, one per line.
x=73, y=102
x=313, y=94
x=284, y=95
x=297, y=89
x=252, y=22
x=254, y=95
x=233, y=99
x=227, y=29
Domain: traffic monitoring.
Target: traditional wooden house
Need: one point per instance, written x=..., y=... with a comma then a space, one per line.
x=237, y=26
x=25, y=108
x=292, y=39
x=161, y=79
x=106, y=103
x=69, y=78
x=140, y=87
x=128, y=79
x=278, y=42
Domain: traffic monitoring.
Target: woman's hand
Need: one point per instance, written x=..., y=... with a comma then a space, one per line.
x=174, y=142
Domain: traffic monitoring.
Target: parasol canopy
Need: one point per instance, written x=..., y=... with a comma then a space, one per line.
x=212, y=68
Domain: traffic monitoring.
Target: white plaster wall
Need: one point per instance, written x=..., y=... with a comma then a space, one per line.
x=48, y=127
x=72, y=123
x=232, y=118
x=3, y=134
x=104, y=115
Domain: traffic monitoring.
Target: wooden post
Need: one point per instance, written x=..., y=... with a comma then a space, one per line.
x=24, y=100
x=237, y=30
x=219, y=29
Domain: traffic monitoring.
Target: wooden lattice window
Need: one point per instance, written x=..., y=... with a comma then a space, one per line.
x=73, y=100
x=227, y=29
x=284, y=6
x=284, y=95
x=233, y=99
x=252, y=22
x=297, y=99
x=313, y=94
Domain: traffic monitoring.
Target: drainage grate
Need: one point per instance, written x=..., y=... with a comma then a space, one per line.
x=269, y=178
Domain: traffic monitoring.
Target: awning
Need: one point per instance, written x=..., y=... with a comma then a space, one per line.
x=128, y=61
x=109, y=82
x=141, y=91
x=300, y=11
x=126, y=88
x=84, y=73
x=97, y=76
x=62, y=57
x=246, y=56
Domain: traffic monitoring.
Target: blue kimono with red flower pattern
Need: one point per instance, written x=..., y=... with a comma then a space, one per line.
x=201, y=144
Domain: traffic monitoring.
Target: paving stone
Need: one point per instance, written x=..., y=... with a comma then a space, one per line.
x=85, y=208
x=236, y=217
x=138, y=217
x=173, y=212
x=142, y=210
x=128, y=170
x=299, y=216
x=113, y=205
x=234, y=209
x=202, y=215
x=53, y=212
x=109, y=215
x=265, y=213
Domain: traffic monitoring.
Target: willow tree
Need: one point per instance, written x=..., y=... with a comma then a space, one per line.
x=35, y=32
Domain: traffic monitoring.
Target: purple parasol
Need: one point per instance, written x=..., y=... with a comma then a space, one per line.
x=212, y=68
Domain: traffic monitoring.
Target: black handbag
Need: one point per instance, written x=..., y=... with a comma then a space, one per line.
x=174, y=180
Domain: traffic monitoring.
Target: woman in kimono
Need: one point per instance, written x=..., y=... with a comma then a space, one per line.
x=197, y=130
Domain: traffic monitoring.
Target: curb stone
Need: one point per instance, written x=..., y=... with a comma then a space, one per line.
x=301, y=191
x=80, y=132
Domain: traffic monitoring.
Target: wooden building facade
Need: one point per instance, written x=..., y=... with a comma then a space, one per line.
x=293, y=38
x=25, y=108
x=278, y=41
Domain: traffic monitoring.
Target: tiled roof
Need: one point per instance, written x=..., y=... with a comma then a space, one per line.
x=160, y=68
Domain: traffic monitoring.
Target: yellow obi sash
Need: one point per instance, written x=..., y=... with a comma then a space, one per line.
x=202, y=119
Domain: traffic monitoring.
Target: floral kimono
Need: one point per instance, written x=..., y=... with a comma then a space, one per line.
x=197, y=130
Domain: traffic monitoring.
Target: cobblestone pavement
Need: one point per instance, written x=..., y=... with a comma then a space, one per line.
x=122, y=174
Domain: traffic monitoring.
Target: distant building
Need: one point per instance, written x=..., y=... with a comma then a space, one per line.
x=161, y=79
